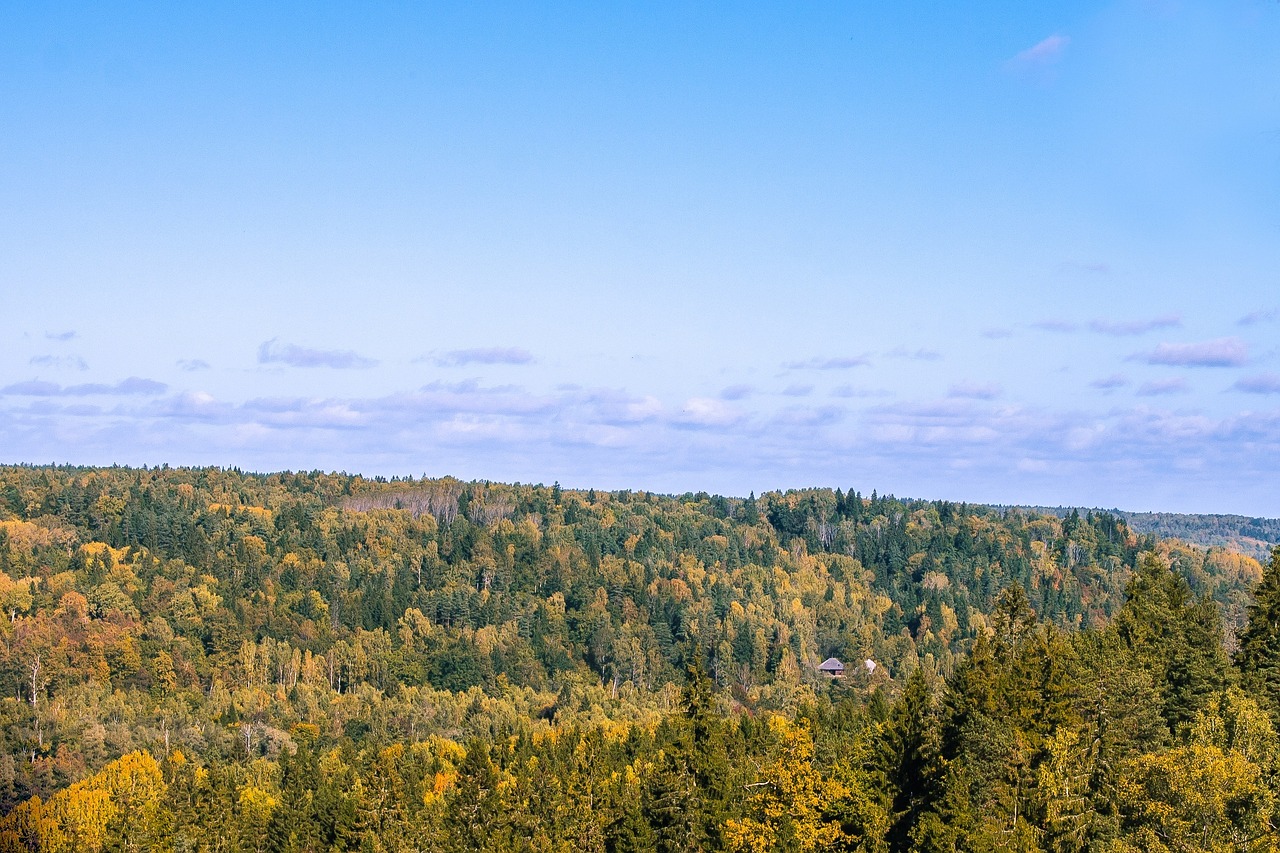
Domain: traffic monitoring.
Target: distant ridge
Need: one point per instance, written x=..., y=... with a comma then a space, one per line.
x=1253, y=536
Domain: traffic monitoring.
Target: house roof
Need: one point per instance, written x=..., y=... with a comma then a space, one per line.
x=831, y=663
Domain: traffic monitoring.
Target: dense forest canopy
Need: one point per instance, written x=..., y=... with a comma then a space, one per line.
x=207, y=659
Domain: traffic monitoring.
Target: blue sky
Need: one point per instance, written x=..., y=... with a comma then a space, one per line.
x=1021, y=253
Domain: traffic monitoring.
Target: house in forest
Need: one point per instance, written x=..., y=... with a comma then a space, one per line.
x=832, y=667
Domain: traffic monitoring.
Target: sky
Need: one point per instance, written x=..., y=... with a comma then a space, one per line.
x=1017, y=253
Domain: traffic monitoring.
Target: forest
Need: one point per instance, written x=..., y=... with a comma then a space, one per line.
x=204, y=659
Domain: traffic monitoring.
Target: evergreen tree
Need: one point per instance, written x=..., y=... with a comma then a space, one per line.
x=473, y=810
x=1259, y=654
x=293, y=826
x=908, y=761
x=1174, y=637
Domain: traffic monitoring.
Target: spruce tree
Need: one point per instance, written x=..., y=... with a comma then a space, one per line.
x=1175, y=638
x=1259, y=655
x=909, y=761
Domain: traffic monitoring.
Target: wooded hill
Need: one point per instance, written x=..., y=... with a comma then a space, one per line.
x=202, y=659
x=1253, y=536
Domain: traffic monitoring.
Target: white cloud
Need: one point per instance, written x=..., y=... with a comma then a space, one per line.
x=132, y=385
x=1262, y=315
x=1135, y=327
x=1110, y=383
x=70, y=362
x=920, y=354
x=610, y=436
x=1220, y=352
x=708, y=412
x=975, y=390
x=1263, y=383
x=1045, y=52
x=275, y=352
x=484, y=355
x=1159, y=387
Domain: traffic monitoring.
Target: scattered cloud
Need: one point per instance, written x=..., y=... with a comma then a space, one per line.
x=60, y=336
x=635, y=410
x=1161, y=387
x=473, y=386
x=927, y=425
x=1041, y=54
x=975, y=391
x=915, y=355
x=1059, y=326
x=484, y=355
x=1115, y=328
x=798, y=390
x=836, y=363
x=274, y=352
x=707, y=412
x=132, y=385
x=1264, y=383
x=1220, y=352
x=33, y=388
x=1135, y=327
x=191, y=364
x=1262, y=315
x=72, y=362
x=737, y=392
x=1110, y=383
x=592, y=434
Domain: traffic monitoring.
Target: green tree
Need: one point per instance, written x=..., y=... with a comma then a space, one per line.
x=908, y=761
x=1259, y=654
x=1176, y=638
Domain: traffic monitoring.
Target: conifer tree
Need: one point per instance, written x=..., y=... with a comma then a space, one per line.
x=908, y=761
x=293, y=825
x=1259, y=654
x=473, y=808
x=1175, y=638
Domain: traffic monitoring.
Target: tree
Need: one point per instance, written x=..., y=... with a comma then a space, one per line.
x=1259, y=655
x=1196, y=798
x=791, y=804
x=908, y=760
x=1174, y=637
x=474, y=804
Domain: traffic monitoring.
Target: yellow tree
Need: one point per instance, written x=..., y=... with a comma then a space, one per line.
x=118, y=803
x=792, y=803
x=1196, y=798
